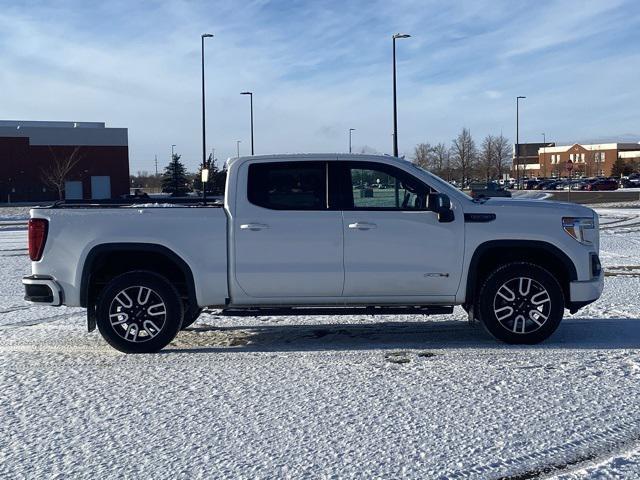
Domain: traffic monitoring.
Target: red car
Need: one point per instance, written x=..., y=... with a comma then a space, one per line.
x=602, y=185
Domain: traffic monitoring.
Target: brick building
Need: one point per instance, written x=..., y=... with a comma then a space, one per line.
x=525, y=158
x=588, y=160
x=29, y=149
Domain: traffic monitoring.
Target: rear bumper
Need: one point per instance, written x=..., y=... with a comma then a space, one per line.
x=42, y=289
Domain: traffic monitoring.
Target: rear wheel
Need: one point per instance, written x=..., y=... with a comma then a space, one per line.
x=139, y=312
x=521, y=303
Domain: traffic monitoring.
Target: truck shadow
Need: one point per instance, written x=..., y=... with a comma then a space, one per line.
x=610, y=333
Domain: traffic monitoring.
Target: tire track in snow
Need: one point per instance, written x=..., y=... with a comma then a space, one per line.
x=604, y=466
x=36, y=321
x=15, y=309
x=595, y=447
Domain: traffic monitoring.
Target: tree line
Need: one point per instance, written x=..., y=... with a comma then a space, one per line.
x=177, y=181
x=463, y=160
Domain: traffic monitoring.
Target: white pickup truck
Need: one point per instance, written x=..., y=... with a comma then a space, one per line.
x=327, y=233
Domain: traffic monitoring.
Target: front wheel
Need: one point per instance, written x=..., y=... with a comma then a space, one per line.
x=139, y=312
x=521, y=303
x=190, y=316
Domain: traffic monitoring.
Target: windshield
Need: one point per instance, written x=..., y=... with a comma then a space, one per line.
x=440, y=184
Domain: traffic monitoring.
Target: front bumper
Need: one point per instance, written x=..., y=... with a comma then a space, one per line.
x=586, y=292
x=42, y=289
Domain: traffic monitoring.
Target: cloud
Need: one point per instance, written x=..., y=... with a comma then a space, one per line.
x=493, y=94
x=320, y=68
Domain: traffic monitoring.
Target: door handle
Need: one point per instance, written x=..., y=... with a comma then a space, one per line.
x=362, y=226
x=254, y=227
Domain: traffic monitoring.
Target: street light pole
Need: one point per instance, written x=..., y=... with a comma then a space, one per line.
x=544, y=145
x=395, y=100
x=238, y=148
x=251, y=98
x=204, y=135
x=350, y=130
x=518, y=139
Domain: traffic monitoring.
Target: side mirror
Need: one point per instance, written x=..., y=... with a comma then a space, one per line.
x=440, y=204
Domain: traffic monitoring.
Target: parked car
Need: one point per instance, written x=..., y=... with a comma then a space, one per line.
x=606, y=184
x=531, y=184
x=554, y=185
x=491, y=189
x=138, y=194
x=631, y=181
x=545, y=185
x=295, y=237
x=568, y=185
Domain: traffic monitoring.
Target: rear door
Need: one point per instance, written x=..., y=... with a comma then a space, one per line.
x=287, y=241
x=394, y=246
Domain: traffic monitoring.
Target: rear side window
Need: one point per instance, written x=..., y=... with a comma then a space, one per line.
x=288, y=186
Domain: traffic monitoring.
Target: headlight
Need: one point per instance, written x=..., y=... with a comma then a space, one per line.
x=575, y=226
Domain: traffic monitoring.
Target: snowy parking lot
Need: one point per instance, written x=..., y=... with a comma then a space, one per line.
x=324, y=397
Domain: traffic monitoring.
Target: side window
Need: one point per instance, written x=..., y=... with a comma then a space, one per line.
x=386, y=190
x=288, y=185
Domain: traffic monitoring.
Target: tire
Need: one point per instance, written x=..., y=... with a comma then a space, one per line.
x=514, y=301
x=190, y=316
x=151, y=300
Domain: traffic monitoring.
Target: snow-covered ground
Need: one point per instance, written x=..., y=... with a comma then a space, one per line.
x=325, y=397
x=14, y=213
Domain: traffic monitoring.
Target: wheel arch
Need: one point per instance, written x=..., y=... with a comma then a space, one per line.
x=105, y=261
x=490, y=255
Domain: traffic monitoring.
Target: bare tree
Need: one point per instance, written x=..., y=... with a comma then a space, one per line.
x=442, y=161
x=57, y=172
x=145, y=179
x=422, y=155
x=464, y=154
x=502, y=154
x=487, y=158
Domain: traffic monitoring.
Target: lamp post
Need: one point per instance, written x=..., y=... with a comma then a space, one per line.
x=172, y=151
x=544, y=145
x=350, y=131
x=518, y=139
x=204, y=135
x=251, y=98
x=395, y=100
x=238, y=147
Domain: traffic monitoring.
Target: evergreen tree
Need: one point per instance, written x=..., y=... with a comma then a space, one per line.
x=174, y=179
x=213, y=171
x=620, y=168
x=218, y=182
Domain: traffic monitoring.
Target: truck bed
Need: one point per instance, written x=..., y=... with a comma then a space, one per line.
x=197, y=234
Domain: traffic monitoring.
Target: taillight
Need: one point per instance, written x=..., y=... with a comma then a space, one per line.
x=37, y=237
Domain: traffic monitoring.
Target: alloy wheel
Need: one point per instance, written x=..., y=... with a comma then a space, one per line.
x=522, y=305
x=137, y=314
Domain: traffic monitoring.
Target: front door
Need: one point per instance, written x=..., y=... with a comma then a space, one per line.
x=393, y=245
x=287, y=243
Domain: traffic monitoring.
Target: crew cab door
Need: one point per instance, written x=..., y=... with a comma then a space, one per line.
x=394, y=246
x=287, y=243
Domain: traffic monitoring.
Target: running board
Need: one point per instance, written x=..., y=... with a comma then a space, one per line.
x=280, y=311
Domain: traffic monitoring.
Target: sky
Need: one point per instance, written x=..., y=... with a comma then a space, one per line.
x=318, y=68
